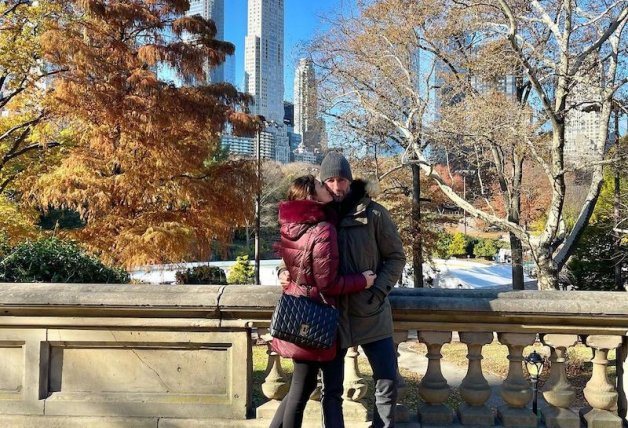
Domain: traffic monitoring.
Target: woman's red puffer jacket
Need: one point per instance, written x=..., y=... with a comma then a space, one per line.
x=303, y=224
x=306, y=233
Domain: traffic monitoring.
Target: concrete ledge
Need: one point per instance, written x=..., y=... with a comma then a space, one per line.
x=233, y=301
x=121, y=422
x=28, y=299
x=75, y=422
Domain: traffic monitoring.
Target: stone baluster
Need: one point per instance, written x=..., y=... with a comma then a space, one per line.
x=622, y=379
x=557, y=391
x=276, y=383
x=354, y=389
x=599, y=392
x=515, y=389
x=401, y=410
x=433, y=388
x=317, y=393
x=474, y=389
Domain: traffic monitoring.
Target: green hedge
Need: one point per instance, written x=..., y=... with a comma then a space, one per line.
x=459, y=245
x=202, y=275
x=55, y=260
x=592, y=264
x=485, y=248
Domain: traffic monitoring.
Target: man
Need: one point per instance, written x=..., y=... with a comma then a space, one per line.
x=367, y=239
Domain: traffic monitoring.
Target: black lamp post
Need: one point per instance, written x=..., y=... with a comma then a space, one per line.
x=258, y=199
x=262, y=125
x=465, y=173
x=534, y=365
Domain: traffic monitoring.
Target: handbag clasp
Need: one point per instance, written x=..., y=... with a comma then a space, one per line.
x=304, y=329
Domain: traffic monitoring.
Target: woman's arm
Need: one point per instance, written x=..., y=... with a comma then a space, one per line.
x=325, y=260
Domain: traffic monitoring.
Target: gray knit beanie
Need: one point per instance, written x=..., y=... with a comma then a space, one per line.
x=335, y=165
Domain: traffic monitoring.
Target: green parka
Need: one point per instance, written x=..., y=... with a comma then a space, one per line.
x=367, y=239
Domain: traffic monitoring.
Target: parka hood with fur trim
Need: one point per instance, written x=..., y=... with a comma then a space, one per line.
x=360, y=189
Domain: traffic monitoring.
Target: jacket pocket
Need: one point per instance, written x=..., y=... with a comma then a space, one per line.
x=365, y=304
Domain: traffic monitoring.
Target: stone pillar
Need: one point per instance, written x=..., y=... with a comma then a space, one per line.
x=354, y=389
x=401, y=411
x=276, y=384
x=622, y=380
x=433, y=388
x=318, y=391
x=474, y=389
x=599, y=392
x=515, y=389
x=557, y=391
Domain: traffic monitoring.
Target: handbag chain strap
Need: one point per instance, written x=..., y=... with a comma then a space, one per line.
x=302, y=265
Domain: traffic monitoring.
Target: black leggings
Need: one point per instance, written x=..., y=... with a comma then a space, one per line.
x=304, y=378
x=290, y=411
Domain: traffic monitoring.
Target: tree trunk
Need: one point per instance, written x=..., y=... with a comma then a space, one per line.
x=514, y=216
x=547, y=274
x=516, y=249
x=619, y=285
x=248, y=239
x=417, y=242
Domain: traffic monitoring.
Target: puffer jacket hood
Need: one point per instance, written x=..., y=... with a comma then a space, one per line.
x=296, y=217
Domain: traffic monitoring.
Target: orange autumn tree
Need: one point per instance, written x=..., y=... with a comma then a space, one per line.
x=140, y=170
x=24, y=148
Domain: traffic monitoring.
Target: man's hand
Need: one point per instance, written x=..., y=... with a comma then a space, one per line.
x=284, y=278
x=370, y=276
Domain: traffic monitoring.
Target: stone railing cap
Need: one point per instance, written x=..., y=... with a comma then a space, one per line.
x=111, y=295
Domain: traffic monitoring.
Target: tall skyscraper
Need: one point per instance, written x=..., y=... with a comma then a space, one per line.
x=288, y=114
x=263, y=58
x=229, y=68
x=214, y=10
x=306, y=115
x=583, y=121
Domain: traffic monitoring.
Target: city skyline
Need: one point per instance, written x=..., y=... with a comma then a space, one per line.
x=301, y=22
x=264, y=56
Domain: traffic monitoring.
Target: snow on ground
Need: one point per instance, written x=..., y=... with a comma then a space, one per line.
x=468, y=274
x=452, y=273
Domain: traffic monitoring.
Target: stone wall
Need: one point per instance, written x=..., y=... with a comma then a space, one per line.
x=114, y=355
x=180, y=356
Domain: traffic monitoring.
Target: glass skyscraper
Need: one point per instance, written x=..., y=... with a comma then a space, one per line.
x=263, y=58
x=214, y=10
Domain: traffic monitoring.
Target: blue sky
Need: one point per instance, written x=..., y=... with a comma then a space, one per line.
x=301, y=22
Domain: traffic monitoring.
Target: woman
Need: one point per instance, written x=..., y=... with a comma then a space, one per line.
x=309, y=249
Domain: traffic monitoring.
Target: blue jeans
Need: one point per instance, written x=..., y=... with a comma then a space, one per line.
x=383, y=359
x=331, y=394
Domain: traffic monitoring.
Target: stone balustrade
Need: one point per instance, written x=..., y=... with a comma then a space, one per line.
x=181, y=356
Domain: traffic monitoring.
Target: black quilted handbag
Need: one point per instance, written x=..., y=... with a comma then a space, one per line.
x=304, y=322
